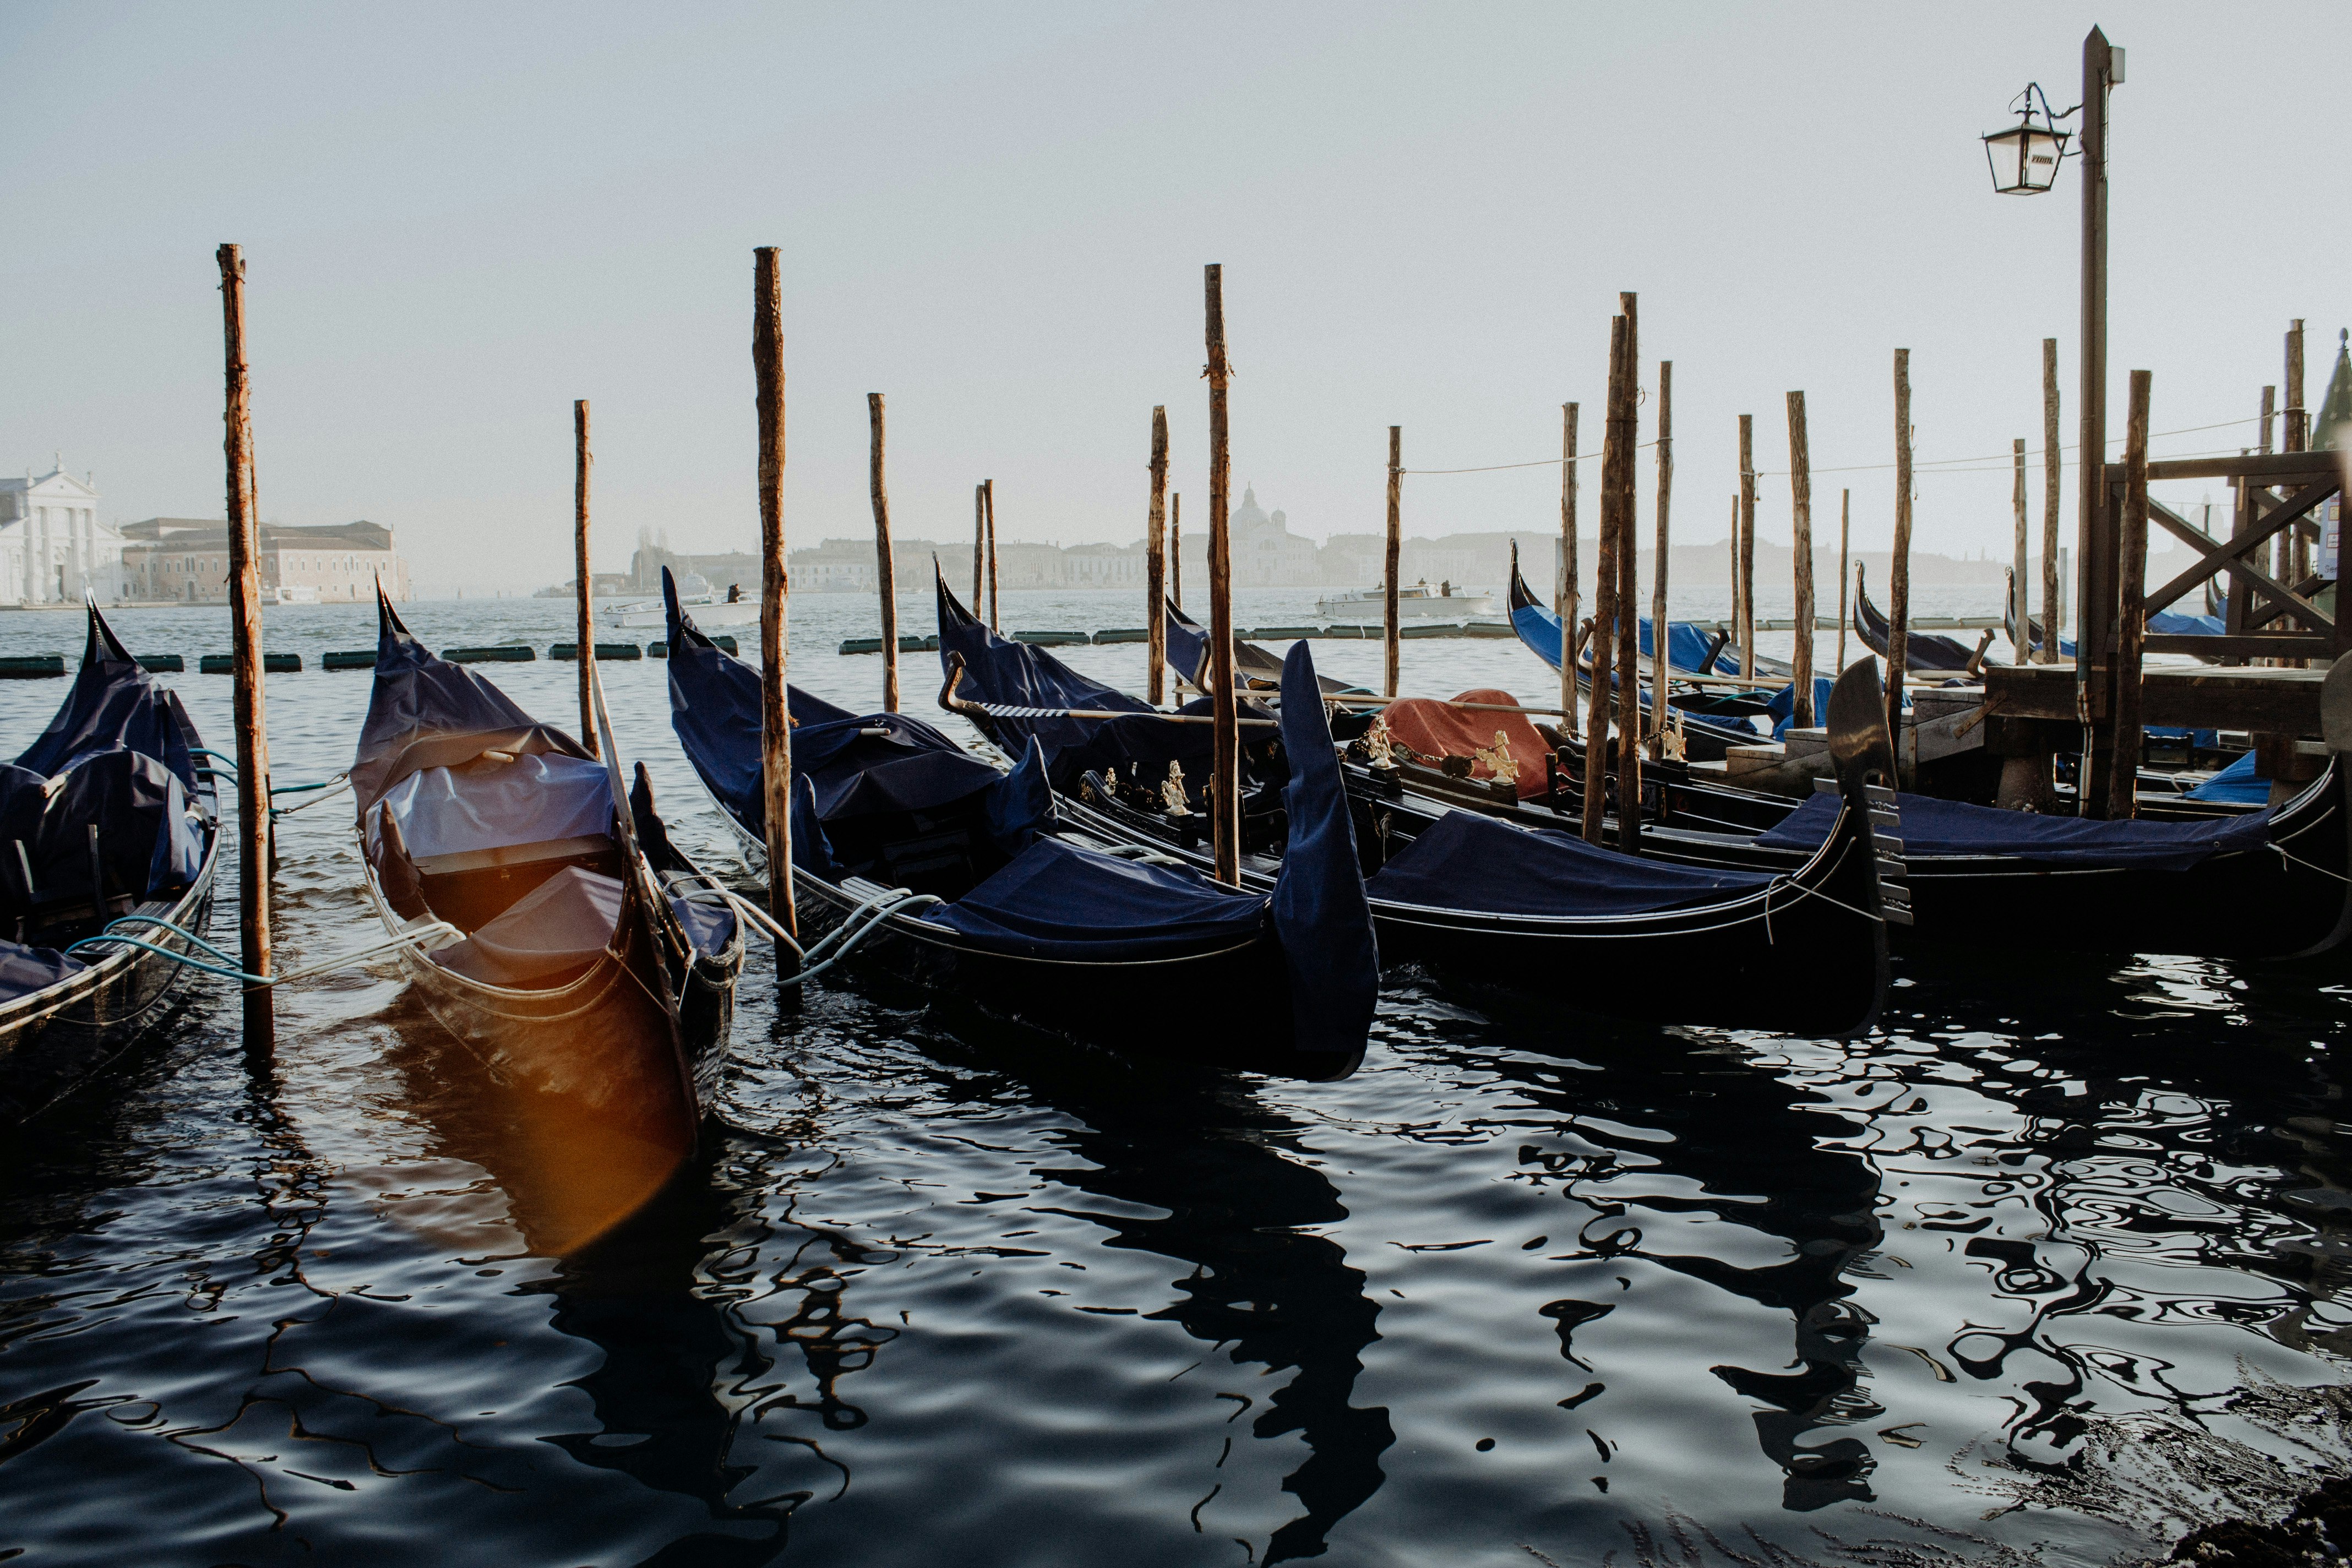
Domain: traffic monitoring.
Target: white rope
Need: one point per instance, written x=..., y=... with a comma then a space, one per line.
x=2309, y=866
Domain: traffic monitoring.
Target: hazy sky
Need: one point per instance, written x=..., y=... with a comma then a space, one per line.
x=459, y=218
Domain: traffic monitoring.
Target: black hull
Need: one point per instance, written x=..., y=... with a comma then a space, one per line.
x=1921, y=651
x=1788, y=959
x=57, y=1040
x=1226, y=1007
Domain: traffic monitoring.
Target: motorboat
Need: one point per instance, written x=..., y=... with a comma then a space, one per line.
x=1419, y=602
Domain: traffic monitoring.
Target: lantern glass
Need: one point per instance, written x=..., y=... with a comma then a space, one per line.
x=2024, y=158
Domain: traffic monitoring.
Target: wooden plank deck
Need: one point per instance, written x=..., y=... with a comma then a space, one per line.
x=2279, y=701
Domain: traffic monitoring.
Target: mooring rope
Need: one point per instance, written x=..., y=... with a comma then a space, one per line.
x=226, y=969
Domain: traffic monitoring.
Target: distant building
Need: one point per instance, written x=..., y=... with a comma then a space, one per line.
x=186, y=558
x=1265, y=553
x=53, y=549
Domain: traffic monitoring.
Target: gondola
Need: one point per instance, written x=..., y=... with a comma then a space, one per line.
x=2164, y=623
x=1537, y=912
x=111, y=823
x=552, y=928
x=1921, y=651
x=963, y=879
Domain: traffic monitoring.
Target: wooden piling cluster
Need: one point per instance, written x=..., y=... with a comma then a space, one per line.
x=1801, y=524
x=1658, y=660
x=254, y=848
x=1390, y=638
x=1898, y=586
x=1564, y=600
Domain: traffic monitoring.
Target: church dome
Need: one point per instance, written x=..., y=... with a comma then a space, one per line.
x=1248, y=514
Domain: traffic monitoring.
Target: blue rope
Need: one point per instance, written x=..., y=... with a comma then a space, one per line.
x=179, y=958
x=177, y=931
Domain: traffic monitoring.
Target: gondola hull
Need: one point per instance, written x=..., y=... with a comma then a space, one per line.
x=55, y=1041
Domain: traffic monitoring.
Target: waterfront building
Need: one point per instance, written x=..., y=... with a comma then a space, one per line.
x=186, y=559
x=53, y=548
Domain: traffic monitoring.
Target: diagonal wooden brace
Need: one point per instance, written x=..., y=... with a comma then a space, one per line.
x=2228, y=554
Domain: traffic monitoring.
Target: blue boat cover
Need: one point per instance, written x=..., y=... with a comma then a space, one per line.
x=490, y=806
x=843, y=764
x=425, y=712
x=1188, y=647
x=1782, y=708
x=1932, y=826
x=1465, y=861
x=114, y=705
x=2235, y=785
x=1320, y=909
x=1020, y=675
x=1687, y=644
x=24, y=970
x=1057, y=901
x=148, y=841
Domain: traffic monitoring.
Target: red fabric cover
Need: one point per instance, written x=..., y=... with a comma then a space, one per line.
x=1437, y=729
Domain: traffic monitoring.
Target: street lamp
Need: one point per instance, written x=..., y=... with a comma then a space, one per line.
x=2025, y=155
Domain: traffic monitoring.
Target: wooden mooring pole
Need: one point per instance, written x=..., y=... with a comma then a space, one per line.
x=2131, y=621
x=979, y=550
x=1800, y=525
x=775, y=718
x=1155, y=563
x=2020, y=597
x=1390, y=637
x=1658, y=661
x=1176, y=547
x=886, y=582
x=2053, y=615
x=2297, y=554
x=1604, y=602
x=1898, y=570
x=1845, y=577
x=1564, y=594
x=1734, y=543
x=1746, y=545
x=584, y=584
x=1624, y=431
x=988, y=503
x=253, y=827
x=1225, y=783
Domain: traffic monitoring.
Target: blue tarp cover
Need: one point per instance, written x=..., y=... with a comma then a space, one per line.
x=2235, y=784
x=1932, y=826
x=146, y=838
x=424, y=713
x=24, y=970
x=1465, y=861
x=114, y=705
x=490, y=806
x=1319, y=907
x=1782, y=708
x=1687, y=644
x=1058, y=900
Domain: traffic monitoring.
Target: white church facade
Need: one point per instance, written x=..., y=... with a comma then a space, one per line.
x=53, y=548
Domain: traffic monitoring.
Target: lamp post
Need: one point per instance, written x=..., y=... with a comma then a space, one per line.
x=2025, y=159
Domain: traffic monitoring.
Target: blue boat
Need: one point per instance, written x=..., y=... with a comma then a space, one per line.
x=966, y=879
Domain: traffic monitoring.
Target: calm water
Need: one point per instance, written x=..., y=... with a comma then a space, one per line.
x=2052, y=1259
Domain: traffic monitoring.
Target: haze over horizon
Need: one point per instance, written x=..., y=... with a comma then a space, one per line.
x=455, y=221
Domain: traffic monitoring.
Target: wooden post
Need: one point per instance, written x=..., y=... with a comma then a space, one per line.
x=1604, y=602
x=2094, y=536
x=2131, y=623
x=1176, y=547
x=2295, y=549
x=2020, y=597
x=583, y=582
x=1225, y=802
x=1800, y=519
x=886, y=580
x=1898, y=570
x=2272, y=554
x=2053, y=615
x=1747, y=544
x=1155, y=562
x=1564, y=592
x=1388, y=630
x=1625, y=434
x=1734, y=543
x=1658, y=566
x=988, y=500
x=1845, y=572
x=253, y=827
x=775, y=718
x=2270, y=417
x=979, y=550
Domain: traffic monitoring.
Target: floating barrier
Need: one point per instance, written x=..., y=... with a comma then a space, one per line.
x=604, y=650
x=271, y=664
x=874, y=645
x=1050, y=639
x=32, y=666
x=161, y=663
x=1124, y=634
x=504, y=653
x=659, y=649
x=349, y=658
